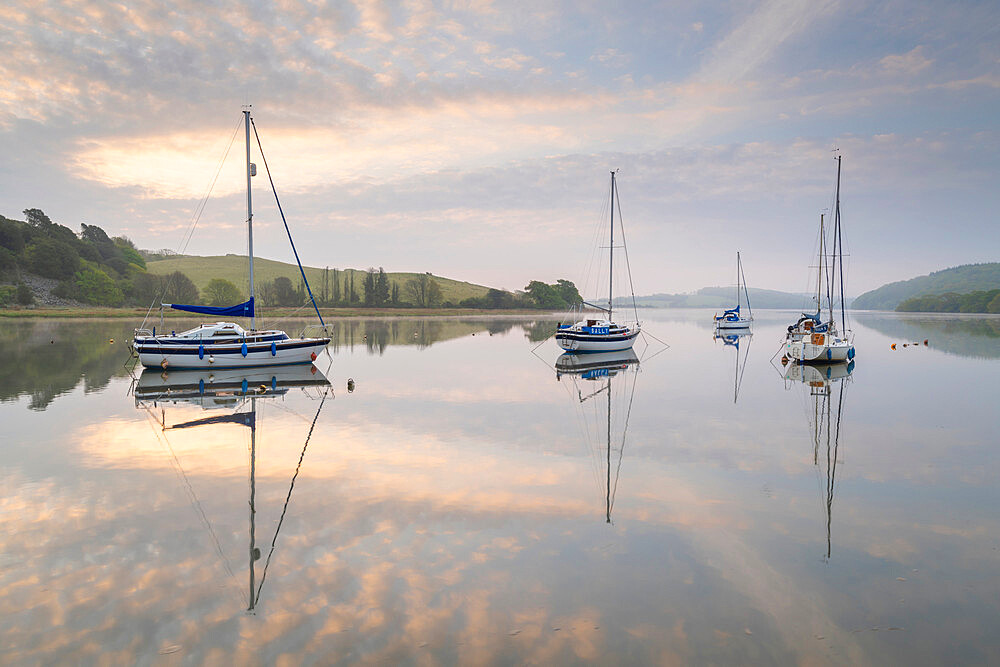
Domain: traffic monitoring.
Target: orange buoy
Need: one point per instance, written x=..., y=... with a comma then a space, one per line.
x=313, y=356
x=925, y=342
x=892, y=347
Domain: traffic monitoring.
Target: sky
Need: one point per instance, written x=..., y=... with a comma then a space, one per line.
x=474, y=140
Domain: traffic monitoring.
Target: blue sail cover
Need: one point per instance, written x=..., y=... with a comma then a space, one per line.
x=732, y=311
x=244, y=309
x=241, y=418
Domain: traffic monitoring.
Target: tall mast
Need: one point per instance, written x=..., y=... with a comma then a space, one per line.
x=611, y=251
x=246, y=122
x=819, y=269
x=737, y=278
x=840, y=246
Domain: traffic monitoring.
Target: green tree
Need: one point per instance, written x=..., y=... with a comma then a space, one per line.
x=369, y=287
x=100, y=240
x=221, y=292
x=96, y=287
x=544, y=296
x=994, y=305
x=52, y=258
x=284, y=292
x=567, y=292
x=24, y=295
x=433, y=293
x=11, y=235
x=179, y=289
x=36, y=218
x=381, y=288
x=129, y=252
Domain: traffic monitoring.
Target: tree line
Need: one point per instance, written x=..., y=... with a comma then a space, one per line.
x=980, y=301
x=96, y=269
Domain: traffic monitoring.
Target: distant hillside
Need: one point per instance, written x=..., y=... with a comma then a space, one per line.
x=960, y=279
x=234, y=269
x=722, y=297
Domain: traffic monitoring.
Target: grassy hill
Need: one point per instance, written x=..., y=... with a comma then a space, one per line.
x=959, y=279
x=234, y=269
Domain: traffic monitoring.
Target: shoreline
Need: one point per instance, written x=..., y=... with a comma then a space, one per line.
x=271, y=314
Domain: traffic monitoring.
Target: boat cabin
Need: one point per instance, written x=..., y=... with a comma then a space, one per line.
x=214, y=330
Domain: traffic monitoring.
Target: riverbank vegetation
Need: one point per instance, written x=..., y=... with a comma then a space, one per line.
x=50, y=269
x=980, y=301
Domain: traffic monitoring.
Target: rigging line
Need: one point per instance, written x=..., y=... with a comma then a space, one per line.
x=746, y=291
x=288, y=497
x=628, y=266
x=746, y=357
x=621, y=451
x=195, y=218
x=196, y=503
x=287, y=230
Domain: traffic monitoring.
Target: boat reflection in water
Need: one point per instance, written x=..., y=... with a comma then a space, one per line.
x=602, y=386
x=731, y=338
x=235, y=396
x=826, y=385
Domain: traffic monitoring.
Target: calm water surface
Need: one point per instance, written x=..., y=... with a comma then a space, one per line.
x=467, y=503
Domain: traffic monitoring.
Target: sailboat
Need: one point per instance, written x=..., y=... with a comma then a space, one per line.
x=225, y=344
x=227, y=394
x=597, y=405
x=601, y=335
x=813, y=339
x=731, y=319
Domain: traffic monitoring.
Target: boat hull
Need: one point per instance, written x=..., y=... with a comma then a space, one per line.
x=579, y=342
x=153, y=354
x=732, y=324
x=806, y=352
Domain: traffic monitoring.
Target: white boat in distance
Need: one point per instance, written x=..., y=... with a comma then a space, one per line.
x=731, y=319
x=810, y=339
x=600, y=335
x=227, y=344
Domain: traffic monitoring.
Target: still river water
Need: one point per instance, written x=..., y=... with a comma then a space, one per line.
x=466, y=503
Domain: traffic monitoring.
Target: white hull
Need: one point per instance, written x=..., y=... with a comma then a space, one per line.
x=583, y=343
x=737, y=324
x=804, y=351
x=304, y=351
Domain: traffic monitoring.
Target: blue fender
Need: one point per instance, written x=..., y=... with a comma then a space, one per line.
x=244, y=385
x=201, y=351
x=829, y=354
x=274, y=348
x=243, y=350
x=201, y=386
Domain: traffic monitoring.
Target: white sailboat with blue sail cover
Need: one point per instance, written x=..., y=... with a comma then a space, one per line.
x=602, y=334
x=732, y=319
x=225, y=344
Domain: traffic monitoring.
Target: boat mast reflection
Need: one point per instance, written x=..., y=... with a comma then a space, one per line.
x=827, y=384
x=732, y=339
x=603, y=369
x=233, y=390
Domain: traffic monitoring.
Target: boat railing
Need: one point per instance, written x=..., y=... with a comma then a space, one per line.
x=143, y=333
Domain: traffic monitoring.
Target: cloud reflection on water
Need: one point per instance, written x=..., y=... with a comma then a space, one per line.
x=425, y=524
